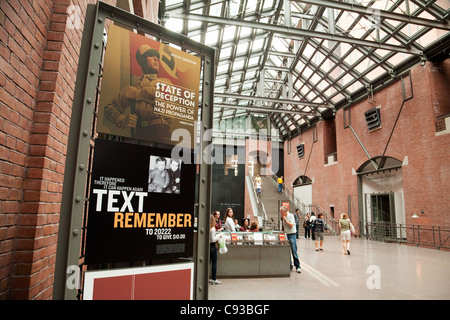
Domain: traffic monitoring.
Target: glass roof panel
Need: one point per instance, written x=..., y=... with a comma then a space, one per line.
x=242, y=48
x=222, y=68
x=174, y=24
x=229, y=33
x=328, y=50
x=253, y=61
x=225, y=53
x=212, y=38
x=215, y=9
x=238, y=64
x=372, y=75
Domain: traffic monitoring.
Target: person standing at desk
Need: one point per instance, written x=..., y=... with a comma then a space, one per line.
x=289, y=228
x=229, y=220
x=213, y=238
x=218, y=224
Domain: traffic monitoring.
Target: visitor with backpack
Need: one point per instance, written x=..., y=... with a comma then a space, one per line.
x=319, y=227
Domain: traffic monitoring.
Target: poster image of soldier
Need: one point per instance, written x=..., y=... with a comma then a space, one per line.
x=149, y=89
x=164, y=175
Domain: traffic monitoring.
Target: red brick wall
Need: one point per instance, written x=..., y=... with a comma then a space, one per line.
x=24, y=28
x=39, y=50
x=426, y=177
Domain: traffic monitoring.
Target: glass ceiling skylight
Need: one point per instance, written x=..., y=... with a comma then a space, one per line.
x=314, y=56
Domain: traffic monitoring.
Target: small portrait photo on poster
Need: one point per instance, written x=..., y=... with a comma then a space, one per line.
x=164, y=175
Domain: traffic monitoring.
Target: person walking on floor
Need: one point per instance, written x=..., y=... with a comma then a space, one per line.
x=319, y=226
x=258, y=184
x=306, y=225
x=297, y=220
x=213, y=238
x=311, y=222
x=345, y=225
x=280, y=184
x=289, y=228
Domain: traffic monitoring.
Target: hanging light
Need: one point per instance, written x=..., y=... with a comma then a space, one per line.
x=415, y=216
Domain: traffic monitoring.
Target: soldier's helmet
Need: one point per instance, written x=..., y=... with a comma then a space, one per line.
x=143, y=52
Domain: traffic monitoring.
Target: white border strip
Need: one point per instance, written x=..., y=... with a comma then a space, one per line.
x=318, y=275
x=90, y=276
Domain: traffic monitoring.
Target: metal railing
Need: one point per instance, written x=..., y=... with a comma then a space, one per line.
x=329, y=220
x=308, y=208
x=295, y=200
x=420, y=235
x=258, y=207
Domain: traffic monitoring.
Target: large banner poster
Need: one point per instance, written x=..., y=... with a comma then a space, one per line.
x=148, y=89
x=141, y=205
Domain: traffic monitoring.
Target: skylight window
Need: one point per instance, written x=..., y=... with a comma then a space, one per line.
x=329, y=52
x=242, y=48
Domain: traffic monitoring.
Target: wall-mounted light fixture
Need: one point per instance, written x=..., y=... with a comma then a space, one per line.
x=423, y=61
x=415, y=215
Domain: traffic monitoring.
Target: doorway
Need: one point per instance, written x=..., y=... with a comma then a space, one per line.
x=382, y=208
x=303, y=192
x=380, y=195
x=382, y=215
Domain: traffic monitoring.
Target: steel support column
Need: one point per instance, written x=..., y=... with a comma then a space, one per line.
x=72, y=204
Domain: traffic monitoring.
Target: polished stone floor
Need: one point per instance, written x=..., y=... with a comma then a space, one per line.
x=374, y=270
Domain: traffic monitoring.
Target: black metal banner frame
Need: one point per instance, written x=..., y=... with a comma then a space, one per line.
x=74, y=201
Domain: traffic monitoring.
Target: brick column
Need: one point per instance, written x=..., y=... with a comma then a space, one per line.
x=23, y=29
x=40, y=55
x=39, y=52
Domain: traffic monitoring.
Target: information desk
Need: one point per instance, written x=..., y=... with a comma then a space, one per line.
x=254, y=254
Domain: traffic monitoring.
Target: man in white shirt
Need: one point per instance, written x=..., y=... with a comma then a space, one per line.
x=290, y=229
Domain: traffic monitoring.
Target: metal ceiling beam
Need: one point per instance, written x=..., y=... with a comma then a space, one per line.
x=283, y=54
x=293, y=61
x=436, y=50
x=281, y=69
x=432, y=9
x=270, y=100
x=263, y=109
x=382, y=13
x=223, y=75
x=368, y=53
x=193, y=6
x=312, y=32
x=295, y=32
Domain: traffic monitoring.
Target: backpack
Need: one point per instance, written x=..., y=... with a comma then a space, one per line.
x=319, y=225
x=306, y=223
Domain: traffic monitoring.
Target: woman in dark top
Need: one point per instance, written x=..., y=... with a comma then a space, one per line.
x=219, y=226
x=245, y=226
